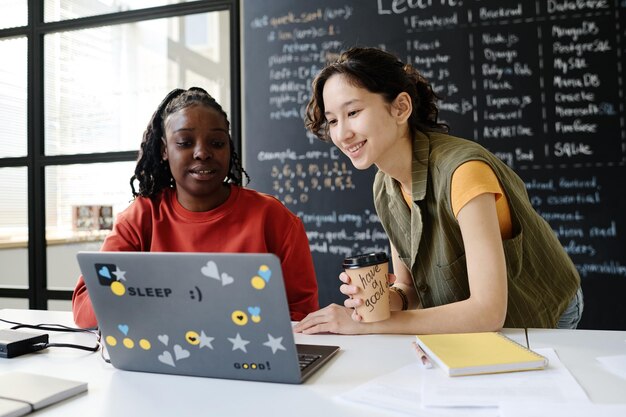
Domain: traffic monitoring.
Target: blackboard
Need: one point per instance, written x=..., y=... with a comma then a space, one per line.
x=539, y=83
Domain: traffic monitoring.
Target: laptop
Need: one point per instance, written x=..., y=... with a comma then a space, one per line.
x=219, y=315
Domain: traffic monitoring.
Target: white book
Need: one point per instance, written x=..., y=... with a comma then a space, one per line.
x=23, y=392
x=10, y=408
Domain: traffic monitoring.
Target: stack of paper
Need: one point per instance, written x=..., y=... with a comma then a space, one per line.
x=431, y=392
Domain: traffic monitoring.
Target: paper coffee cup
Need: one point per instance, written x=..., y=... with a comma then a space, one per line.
x=369, y=273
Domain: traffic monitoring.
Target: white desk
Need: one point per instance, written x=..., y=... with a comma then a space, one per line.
x=121, y=393
x=578, y=350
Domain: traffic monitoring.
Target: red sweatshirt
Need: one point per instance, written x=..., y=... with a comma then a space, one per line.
x=247, y=222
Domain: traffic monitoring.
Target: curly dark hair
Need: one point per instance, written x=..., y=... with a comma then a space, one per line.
x=379, y=72
x=152, y=173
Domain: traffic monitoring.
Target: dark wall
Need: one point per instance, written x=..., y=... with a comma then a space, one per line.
x=540, y=84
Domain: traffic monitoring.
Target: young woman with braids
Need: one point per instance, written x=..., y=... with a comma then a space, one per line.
x=469, y=253
x=190, y=199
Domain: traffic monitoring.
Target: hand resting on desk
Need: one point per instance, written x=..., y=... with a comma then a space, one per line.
x=335, y=318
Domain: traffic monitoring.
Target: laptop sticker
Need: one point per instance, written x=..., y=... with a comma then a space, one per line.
x=195, y=294
x=193, y=341
x=274, y=343
x=255, y=314
x=127, y=342
x=180, y=353
x=111, y=276
x=210, y=270
x=239, y=343
x=239, y=318
x=205, y=341
x=123, y=328
x=192, y=337
x=263, y=276
x=253, y=366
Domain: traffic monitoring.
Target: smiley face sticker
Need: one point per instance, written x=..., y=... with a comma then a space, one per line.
x=192, y=337
x=239, y=318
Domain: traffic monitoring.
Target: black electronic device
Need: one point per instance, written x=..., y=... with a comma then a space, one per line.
x=15, y=343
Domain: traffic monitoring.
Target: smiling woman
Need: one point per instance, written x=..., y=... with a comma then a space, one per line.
x=462, y=231
x=190, y=199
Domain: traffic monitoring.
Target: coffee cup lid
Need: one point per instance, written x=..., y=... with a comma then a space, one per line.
x=368, y=259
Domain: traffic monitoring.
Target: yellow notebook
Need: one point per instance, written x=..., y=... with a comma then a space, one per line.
x=478, y=353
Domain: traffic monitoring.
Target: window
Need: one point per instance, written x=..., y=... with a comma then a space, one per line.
x=73, y=120
x=14, y=13
x=14, y=229
x=73, y=9
x=102, y=84
x=13, y=93
x=81, y=202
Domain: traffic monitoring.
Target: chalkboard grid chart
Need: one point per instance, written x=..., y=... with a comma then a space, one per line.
x=539, y=83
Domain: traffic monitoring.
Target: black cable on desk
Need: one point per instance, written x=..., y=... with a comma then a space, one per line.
x=54, y=327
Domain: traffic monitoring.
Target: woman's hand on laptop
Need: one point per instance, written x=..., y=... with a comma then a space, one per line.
x=331, y=319
x=335, y=318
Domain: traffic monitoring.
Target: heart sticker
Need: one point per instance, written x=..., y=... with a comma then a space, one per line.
x=166, y=358
x=163, y=338
x=104, y=272
x=254, y=311
x=210, y=270
x=180, y=353
x=227, y=279
x=123, y=328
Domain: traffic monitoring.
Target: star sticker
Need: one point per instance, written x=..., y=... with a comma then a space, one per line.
x=274, y=343
x=119, y=274
x=206, y=340
x=239, y=343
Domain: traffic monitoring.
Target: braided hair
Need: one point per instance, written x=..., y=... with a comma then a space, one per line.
x=381, y=73
x=152, y=172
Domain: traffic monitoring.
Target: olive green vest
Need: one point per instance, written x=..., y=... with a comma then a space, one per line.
x=541, y=277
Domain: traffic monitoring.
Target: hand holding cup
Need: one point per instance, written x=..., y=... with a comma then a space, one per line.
x=366, y=283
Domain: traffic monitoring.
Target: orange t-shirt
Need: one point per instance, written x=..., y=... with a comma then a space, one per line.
x=470, y=180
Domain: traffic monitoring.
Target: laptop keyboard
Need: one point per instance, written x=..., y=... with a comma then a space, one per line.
x=306, y=359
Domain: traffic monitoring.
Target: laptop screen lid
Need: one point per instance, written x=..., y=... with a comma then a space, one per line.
x=222, y=315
